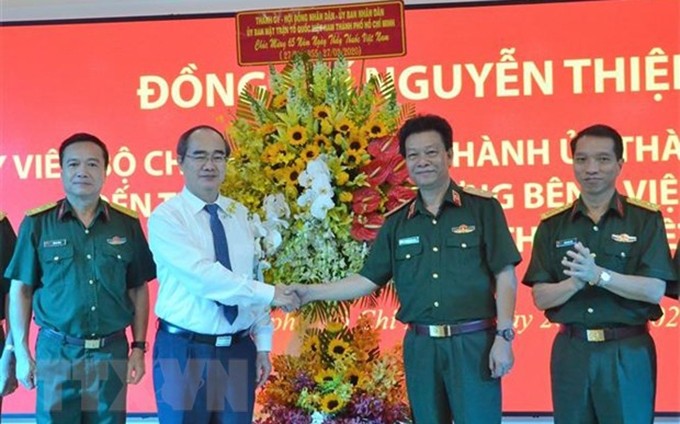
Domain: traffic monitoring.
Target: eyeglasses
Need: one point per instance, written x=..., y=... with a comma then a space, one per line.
x=203, y=158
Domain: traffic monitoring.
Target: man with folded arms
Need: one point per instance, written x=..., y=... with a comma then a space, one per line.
x=214, y=331
x=452, y=260
x=81, y=264
x=599, y=268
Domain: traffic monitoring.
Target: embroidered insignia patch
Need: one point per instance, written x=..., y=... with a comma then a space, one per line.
x=624, y=238
x=116, y=241
x=463, y=229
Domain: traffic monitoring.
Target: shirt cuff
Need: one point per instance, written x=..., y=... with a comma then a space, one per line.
x=264, y=295
x=263, y=342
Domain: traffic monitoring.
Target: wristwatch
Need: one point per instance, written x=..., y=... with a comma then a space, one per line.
x=507, y=334
x=138, y=345
x=602, y=280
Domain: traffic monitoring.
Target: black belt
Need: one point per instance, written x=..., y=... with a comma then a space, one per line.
x=89, y=343
x=219, y=340
x=603, y=334
x=453, y=329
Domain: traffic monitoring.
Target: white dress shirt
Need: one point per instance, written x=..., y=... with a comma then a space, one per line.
x=191, y=281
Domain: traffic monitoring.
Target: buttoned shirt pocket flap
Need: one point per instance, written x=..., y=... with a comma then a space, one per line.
x=407, y=252
x=616, y=255
x=117, y=254
x=56, y=255
x=463, y=241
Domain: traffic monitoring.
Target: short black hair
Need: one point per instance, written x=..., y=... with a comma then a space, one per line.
x=600, y=130
x=83, y=138
x=183, y=143
x=423, y=123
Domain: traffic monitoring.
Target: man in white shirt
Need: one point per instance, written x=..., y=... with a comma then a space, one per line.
x=214, y=334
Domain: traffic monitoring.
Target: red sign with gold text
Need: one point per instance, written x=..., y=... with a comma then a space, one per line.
x=363, y=30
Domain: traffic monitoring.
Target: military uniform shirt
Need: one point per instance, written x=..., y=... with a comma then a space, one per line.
x=628, y=239
x=81, y=275
x=7, y=241
x=443, y=266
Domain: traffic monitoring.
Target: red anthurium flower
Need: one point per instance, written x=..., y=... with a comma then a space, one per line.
x=365, y=227
x=366, y=200
x=377, y=172
x=384, y=147
x=397, y=196
x=398, y=172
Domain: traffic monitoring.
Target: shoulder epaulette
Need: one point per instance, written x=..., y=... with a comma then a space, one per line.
x=643, y=204
x=124, y=210
x=555, y=211
x=398, y=208
x=43, y=208
x=478, y=192
x=2, y=215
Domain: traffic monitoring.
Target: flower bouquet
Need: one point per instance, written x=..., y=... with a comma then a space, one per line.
x=340, y=377
x=316, y=162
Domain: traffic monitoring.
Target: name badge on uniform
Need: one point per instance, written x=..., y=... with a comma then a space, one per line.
x=409, y=240
x=566, y=242
x=223, y=341
x=54, y=243
x=116, y=241
x=624, y=238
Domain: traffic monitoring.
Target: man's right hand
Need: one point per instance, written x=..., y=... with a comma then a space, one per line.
x=25, y=367
x=8, y=380
x=285, y=299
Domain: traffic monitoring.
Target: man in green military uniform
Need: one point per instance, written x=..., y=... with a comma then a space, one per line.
x=452, y=259
x=8, y=381
x=81, y=264
x=599, y=268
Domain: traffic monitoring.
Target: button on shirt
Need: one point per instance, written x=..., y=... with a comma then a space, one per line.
x=628, y=239
x=81, y=275
x=192, y=284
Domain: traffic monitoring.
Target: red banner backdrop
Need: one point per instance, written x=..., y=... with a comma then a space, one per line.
x=515, y=81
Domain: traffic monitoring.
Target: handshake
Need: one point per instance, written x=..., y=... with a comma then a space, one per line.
x=291, y=297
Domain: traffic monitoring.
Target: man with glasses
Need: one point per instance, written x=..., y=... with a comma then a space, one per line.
x=214, y=332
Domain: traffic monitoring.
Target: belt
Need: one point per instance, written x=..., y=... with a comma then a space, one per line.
x=602, y=334
x=219, y=340
x=452, y=330
x=91, y=343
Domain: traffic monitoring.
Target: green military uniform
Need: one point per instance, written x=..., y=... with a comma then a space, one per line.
x=444, y=268
x=612, y=381
x=80, y=277
x=7, y=241
x=672, y=288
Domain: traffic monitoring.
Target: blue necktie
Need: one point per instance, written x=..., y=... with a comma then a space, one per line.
x=221, y=253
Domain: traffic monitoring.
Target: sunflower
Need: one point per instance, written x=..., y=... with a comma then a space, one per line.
x=354, y=158
x=266, y=129
x=374, y=128
x=290, y=175
x=279, y=101
x=357, y=143
x=321, y=112
x=331, y=403
x=322, y=141
x=312, y=344
x=272, y=154
x=337, y=348
x=345, y=126
x=310, y=152
x=354, y=376
x=296, y=135
x=334, y=327
x=324, y=376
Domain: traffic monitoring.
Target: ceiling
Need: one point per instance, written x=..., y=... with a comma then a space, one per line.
x=60, y=10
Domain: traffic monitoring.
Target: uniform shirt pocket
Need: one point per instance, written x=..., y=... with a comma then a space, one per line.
x=463, y=253
x=56, y=262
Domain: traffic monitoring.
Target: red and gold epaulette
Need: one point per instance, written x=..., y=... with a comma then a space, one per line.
x=555, y=211
x=124, y=210
x=478, y=192
x=40, y=209
x=643, y=204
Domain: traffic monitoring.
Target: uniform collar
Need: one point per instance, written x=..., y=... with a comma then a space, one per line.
x=196, y=204
x=616, y=206
x=452, y=197
x=66, y=209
